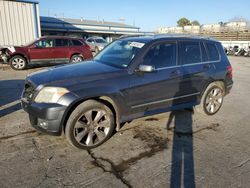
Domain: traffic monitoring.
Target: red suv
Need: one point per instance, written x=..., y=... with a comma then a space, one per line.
x=51, y=49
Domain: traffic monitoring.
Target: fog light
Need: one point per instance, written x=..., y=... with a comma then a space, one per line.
x=43, y=124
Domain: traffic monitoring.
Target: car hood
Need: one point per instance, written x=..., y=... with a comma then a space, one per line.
x=67, y=75
x=11, y=49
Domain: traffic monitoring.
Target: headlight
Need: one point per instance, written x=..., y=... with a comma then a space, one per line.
x=50, y=94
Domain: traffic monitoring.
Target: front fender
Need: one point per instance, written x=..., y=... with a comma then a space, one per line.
x=108, y=94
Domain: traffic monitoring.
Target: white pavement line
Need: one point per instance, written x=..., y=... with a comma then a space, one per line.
x=9, y=104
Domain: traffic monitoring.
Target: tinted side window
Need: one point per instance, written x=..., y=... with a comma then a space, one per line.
x=76, y=43
x=204, y=53
x=190, y=52
x=213, y=52
x=61, y=42
x=45, y=43
x=90, y=40
x=161, y=55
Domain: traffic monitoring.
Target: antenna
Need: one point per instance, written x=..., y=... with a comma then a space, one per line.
x=122, y=19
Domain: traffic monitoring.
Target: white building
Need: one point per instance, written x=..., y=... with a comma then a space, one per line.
x=19, y=22
x=211, y=28
x=170, y=30
x=192, y=29
x=239, y=26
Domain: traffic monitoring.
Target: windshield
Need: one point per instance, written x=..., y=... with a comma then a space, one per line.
x=100, y=41
x=119, y=53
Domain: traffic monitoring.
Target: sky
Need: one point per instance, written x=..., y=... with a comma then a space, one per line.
x=147, y=14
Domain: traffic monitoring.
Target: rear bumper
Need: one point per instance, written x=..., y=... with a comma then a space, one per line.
x=45, y=117
x=228, y=88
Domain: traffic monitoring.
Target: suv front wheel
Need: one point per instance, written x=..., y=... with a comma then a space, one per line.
x=211, y=100
x=89, y=125
x=18, y=62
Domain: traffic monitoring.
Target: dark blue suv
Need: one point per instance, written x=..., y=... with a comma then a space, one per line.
x=131, y=78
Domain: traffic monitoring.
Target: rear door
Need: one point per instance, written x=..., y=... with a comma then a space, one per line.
x=196, y=67
x=157, y=89
x=42, y=51
x=61, y=51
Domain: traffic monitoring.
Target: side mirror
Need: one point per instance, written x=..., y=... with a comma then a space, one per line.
x=146, y=68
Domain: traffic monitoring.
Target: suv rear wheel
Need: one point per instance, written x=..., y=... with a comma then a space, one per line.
x=18, y=62
x=76, y=58
x=211, y=100
x=89, y=125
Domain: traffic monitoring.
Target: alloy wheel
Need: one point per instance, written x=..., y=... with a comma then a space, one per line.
x=77, y=59
x=92, y=127
x=18, y=63
x=214, y=100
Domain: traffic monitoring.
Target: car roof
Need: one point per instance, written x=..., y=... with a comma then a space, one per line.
x=148, y=38
x=59, y=37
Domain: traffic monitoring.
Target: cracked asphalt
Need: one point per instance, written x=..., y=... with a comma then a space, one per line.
x=186, y=150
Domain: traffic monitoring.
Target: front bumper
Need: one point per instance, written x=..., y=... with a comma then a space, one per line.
x=45, y=117
x=3, y=59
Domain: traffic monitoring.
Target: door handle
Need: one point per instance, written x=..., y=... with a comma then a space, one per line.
x=206, y=66
x=174, y=73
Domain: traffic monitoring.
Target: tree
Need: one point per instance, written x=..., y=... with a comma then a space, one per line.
x=195, y=22
x=222, y=23
x=183, y=22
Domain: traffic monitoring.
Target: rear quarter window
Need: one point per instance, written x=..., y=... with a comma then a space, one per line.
x=213, y=52
x=76, y=43
x=61, y=42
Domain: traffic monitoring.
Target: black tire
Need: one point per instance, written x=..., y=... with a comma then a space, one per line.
x=76, y=58
x=18, y=62
x=85, y=134
x=210, y=101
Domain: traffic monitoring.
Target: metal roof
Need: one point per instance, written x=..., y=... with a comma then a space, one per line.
x=124, y=32
x=25, y=1
x=74, y=21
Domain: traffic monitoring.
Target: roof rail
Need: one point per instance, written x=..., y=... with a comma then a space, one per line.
x=126, y=36
x=171, y=35
x=186, y=35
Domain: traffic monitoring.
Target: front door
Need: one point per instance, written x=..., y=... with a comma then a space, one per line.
x=42, y=51
x=156, y=89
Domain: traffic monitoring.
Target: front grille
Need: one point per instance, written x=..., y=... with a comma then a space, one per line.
x=28, y=92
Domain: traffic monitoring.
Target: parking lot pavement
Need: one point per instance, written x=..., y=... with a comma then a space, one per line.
x=188, y=150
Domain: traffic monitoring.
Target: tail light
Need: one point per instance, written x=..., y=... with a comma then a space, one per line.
x=229, y=71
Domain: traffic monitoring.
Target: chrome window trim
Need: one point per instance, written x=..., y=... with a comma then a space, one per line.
x=164, y=100
x=200, y=63
x=163, y=68
x=192, y=64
